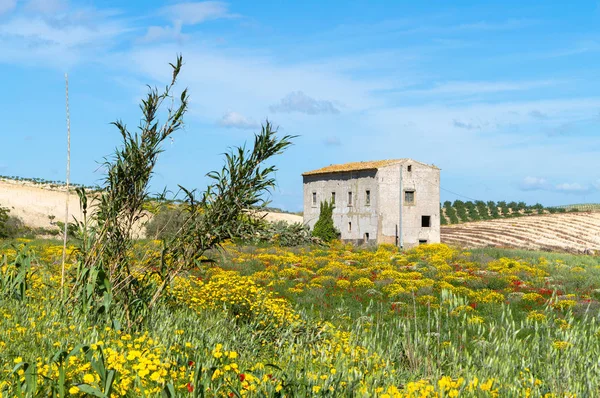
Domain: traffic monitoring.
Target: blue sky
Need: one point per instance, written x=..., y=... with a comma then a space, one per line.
x=504, y=97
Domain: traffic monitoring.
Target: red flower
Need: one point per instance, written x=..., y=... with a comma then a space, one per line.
x=242, y=377
x=190, y=363
x=190, y=387
x=473, y=305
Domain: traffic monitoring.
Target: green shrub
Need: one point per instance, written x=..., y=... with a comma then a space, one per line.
x=324, y=227
x=10, y=226
x=165, y=223
x=280, y=233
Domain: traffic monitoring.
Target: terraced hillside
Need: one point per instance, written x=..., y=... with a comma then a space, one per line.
x=572, y=232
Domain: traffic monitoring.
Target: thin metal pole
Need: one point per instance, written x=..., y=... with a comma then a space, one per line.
x=64, y=253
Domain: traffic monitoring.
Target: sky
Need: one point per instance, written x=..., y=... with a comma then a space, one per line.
x=503, y=96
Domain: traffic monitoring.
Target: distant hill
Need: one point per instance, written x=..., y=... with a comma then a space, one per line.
x=571, y=232
x=41, y=204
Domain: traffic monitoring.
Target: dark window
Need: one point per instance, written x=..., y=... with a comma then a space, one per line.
x=366, y=236
x=409, y=168
x=422, y=241
x=425, y=221
x=368, y=197
x=349, y=198
x=409, y=197
x=314, y=198
x=350, y=227
x=333, y=197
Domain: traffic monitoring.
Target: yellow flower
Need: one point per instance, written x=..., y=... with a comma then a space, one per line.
x=316, y=389
x=73, y=390
x=18, y=360
x=88, y=378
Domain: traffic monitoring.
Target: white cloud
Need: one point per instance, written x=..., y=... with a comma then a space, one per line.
x=534, y=184
x=193, y=13
x=157, y=33
x=59, y=39
x=299, y=102
x=236, y=120
x=7, y=6
x=573, y=187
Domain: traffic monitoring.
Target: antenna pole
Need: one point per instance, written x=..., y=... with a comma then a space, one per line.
x=64, y=253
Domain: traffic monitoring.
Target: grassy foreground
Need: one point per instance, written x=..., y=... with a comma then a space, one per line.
x=337, y=321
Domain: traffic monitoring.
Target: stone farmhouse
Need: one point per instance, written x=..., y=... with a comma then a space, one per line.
x=386, y=201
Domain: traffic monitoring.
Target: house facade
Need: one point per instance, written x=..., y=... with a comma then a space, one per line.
x=387, y=201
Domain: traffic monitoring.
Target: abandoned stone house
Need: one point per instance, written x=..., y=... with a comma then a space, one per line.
x=387, y=201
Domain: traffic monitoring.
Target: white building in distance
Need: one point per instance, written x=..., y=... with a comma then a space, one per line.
x=386, y=201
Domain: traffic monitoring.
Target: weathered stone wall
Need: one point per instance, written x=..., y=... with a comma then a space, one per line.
x=362, y=216
x=425, y=182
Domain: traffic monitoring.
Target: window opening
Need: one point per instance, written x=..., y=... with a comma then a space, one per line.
x=314, y=198
x=366, y=236
x=333, y=198
x=409, y=168
x=350, y=227
x=422, y=241
x=368, y=197
x=425, y=221
x=350, y=198
x=409, y=197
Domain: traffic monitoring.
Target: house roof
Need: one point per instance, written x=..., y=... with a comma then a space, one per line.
x=356, y=166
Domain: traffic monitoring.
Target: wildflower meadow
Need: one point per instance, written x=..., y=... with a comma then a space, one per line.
x=313, y=321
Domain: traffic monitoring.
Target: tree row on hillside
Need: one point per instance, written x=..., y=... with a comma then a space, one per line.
x=459, y=211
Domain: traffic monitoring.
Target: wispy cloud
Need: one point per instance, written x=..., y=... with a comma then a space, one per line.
x=193, y=13
x=46, y=7
x=158, y=33
x=332, y=141
x=189, y=13
x=573, y=187
x=59, y=39
x=7, y=6
x=466, y=125
x=297, y=101
x=541, y=184
x=237, y=120
x=536, y=114
x=482, y=87
x=502, y=25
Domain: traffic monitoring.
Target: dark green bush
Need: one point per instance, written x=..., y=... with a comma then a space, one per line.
x=324, y=228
